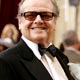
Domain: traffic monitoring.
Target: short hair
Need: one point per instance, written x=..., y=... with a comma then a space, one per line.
x=53, y=2
x=69, y=38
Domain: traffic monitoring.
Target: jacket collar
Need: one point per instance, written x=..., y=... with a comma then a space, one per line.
x=34, y=65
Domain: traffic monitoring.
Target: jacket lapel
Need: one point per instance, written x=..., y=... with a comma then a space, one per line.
x=63, y=60
x=35, y=67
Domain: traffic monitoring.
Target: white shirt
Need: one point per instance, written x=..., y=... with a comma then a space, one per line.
x=51, y=63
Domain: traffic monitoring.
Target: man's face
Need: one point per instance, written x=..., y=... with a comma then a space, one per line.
x=37, y=30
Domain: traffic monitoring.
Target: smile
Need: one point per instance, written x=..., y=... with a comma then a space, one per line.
x=41, y=28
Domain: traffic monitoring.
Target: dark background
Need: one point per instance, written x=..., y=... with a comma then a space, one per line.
x=8, y=12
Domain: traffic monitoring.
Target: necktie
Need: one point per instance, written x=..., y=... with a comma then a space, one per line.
x=51, y=49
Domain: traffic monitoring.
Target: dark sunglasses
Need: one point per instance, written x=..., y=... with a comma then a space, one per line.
x=31, y=16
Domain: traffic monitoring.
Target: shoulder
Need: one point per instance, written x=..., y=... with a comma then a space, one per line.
x=10, y=53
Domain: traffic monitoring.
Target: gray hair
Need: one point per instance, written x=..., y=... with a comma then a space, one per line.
x=53, y=2
x=69, y=38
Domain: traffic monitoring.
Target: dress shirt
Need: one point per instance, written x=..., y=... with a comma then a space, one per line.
x=51, y=63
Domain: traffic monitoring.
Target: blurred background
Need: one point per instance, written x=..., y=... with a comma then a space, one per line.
x=69, y=18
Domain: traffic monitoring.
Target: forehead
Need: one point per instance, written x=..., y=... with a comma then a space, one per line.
x=37, y=5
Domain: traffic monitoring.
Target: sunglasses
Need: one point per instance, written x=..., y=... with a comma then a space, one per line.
x=31, y=16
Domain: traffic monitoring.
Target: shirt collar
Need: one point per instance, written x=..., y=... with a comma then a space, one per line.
x=33, y=46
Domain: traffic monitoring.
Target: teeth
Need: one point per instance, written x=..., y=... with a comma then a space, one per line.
x=38, y=28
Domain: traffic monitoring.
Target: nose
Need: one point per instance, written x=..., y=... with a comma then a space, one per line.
x=38, y=20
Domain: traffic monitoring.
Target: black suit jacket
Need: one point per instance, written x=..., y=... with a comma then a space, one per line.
x=19, y=63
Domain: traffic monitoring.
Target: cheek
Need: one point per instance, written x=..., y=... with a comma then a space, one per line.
x=24, y=24
x=53, y=25
x=50, y=25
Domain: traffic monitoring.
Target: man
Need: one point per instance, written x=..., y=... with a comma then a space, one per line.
x=72, y=45
x=23, y=61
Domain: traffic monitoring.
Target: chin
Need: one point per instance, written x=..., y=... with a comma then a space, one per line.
x=38, y=39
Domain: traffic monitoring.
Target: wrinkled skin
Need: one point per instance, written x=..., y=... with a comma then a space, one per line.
x=38, y=31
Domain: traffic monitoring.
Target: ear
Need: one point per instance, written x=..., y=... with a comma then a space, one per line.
x=19, y=27
x=19, y=23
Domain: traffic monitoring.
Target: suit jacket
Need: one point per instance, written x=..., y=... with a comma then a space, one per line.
x=19, y=63
x=72, y=55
